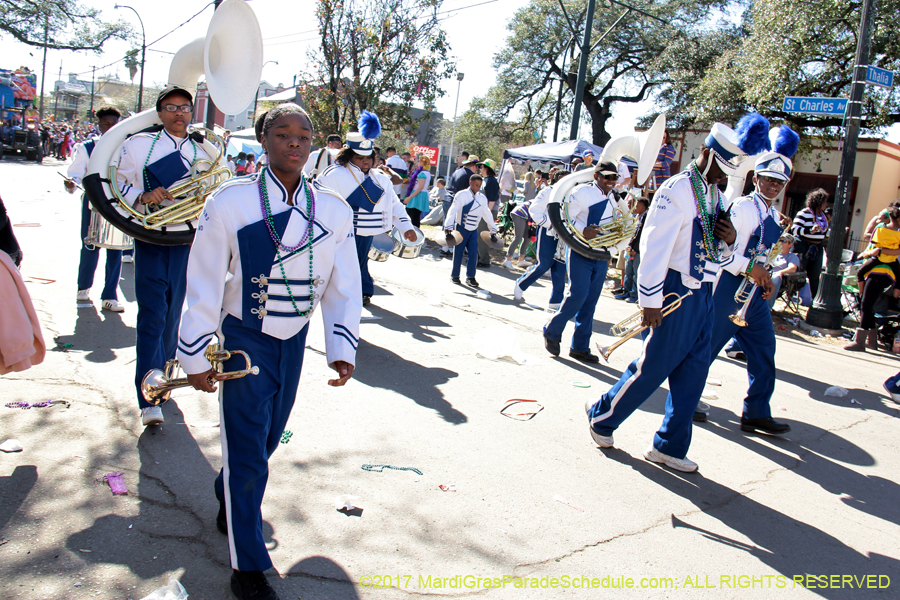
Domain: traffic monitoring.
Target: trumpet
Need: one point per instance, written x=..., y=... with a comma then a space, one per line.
x=748, y=286
x=631, y=326
x=158, y=384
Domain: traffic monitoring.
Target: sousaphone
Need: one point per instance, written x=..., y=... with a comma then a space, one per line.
x=231, y=58
x=644, y=149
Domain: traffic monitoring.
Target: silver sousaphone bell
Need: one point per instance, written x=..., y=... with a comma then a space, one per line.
x=158, y=384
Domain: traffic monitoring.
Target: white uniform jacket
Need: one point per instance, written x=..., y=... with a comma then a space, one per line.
x=673, y=239
x=745, y=218
x=538, y=210
x=376, y=207
x=470, y=210
x=168, y=165
x=80, y=157
x=232, y=269
x=588, y=205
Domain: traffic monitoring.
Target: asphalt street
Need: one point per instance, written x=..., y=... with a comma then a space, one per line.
x=507, y=506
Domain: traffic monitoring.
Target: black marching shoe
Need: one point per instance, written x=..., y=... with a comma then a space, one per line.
x=471, y=282
x=584, y=356
x=699, y=416
x=221, y=518
x=456, y=280
x=367, y=298
x=617, y=291
x=765, y=425
x=251, y=585
x=551, y=346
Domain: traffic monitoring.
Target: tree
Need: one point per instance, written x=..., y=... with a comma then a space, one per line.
x=482, y=135
x=788, y=48
x=544, y=47
x=58, y=24
x=375, y=55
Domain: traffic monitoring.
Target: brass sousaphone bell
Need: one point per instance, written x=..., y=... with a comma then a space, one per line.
x=158, y=384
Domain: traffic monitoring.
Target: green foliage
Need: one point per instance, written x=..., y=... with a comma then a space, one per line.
x=786, y=48
x=69, y=24
x=375, y=55
x=132, y=62
x=477, y=133
x=542, y=49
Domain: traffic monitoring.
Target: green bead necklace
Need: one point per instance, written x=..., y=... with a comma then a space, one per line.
x=279, y=245
x=707, y=220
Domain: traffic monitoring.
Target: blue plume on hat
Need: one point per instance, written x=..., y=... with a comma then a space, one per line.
x=369, y=125
x=753, y=133
x=787, y=142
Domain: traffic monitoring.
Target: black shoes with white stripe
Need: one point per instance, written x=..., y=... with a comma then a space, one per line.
x=251, y=585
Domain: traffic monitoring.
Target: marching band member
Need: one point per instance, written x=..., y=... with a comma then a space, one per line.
x=107, y=116
x=758, y=228
x=151, y=161
x=547, y=244
x=376, y=208
x=682, y=245
x=270, y=248
x=591, y=205
x=469, y=209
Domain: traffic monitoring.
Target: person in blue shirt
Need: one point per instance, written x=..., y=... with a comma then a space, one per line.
x=491, y=191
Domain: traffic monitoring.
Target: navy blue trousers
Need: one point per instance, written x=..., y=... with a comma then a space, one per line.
x=90, y=255
x=546, y=250
x=363, y=245
x=470, y=243
x=586, y=279
x=757, y=341
x=159, y=287
x=253, y=412
x=677, y=350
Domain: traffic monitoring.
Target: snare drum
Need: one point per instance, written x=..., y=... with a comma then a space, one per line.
x=403, y=247
x=102, y=234
x=382, y=246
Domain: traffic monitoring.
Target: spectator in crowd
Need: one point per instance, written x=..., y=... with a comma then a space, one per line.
x=251, y=165
x=416, y=197
x=520, y=217
x=529, y=190
x=629, y=281
x=491, y=190
x=661, y=169
x=811, y=226
x=785, y=263
x=438, y=194
x=398, y=166
x=587, y=160
x=462, y=159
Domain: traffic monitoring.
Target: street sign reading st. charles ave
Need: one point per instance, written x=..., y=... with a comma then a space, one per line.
x=834, y=107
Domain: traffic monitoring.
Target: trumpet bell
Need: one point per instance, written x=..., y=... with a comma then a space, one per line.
x=155, y=387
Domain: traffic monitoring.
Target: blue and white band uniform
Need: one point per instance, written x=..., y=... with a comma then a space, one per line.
x=673, y=260
x=237, y=292
x=466, y=211
x=587, y=205
x=547, y=245
x=376, y=207
x=757, y=339
x=159, y=271
x=90, y=255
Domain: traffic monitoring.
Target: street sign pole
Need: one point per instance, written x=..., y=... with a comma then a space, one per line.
x=582, y=71
x=826, y=311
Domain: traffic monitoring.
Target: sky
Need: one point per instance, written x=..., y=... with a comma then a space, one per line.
x=476, y=30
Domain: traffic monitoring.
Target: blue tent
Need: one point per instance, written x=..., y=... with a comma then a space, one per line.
x=558, y=152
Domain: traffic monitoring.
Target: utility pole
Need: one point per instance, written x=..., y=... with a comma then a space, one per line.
x=826, y=311
x=44, y=67
x=93, y=71
x=582, y=71
x=56, y=104
x=459, y=78
x=562, y=81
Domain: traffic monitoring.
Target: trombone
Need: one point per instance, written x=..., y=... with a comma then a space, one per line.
x=158, y=384
x=631, y=326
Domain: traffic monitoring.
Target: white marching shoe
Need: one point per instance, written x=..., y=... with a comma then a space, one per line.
x=517, y=292
x=152, y=415
x=113, y=306
x=679, y=464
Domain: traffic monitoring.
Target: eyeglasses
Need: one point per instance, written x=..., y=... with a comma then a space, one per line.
x=185, y=108
x=772, y=180
x=611, y=177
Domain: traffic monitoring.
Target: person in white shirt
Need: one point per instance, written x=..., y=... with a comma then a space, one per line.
x=398, y=165
x=590, y=206
x=271, y=248
x=150, y=162
x=468, y=210
x=107, y=116
x=314, y=166
x=686, y=237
